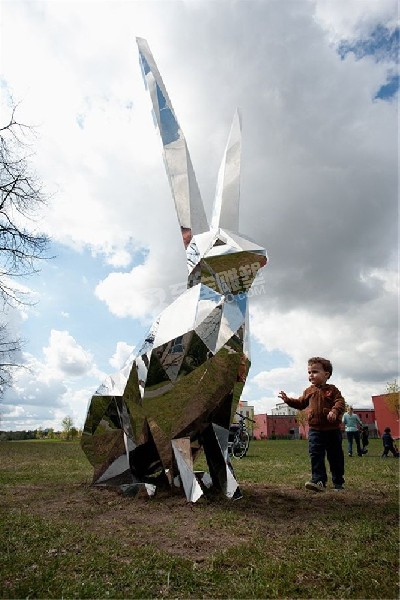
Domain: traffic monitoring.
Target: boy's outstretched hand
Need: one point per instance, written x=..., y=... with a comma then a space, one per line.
x=283, y=396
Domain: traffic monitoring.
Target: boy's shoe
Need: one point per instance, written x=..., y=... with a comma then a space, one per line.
x=318, y=486
x=338, y=487
x=350, y=454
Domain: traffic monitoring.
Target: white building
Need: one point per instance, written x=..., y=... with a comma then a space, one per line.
x=245, y=409
x=283, y=409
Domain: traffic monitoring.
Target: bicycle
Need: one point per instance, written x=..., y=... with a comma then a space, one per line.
x=239, y=439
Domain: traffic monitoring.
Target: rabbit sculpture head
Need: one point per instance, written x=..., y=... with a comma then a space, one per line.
x=177, y=394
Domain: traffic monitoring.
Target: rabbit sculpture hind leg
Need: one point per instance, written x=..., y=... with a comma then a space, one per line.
x=147, y=424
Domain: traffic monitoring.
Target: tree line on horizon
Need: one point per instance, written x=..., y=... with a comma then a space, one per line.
x=68, y=433
x=39, y=434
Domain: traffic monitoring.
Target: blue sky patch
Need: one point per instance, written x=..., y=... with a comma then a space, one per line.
x=168, y=125
x=388, y=90
x=68, y=301
x=382, y=44
x=144, y=64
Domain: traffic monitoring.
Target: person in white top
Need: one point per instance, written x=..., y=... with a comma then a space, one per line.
x=352, y=425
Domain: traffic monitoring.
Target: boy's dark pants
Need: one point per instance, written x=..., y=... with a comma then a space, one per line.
x=329, y=443
x=392, y=449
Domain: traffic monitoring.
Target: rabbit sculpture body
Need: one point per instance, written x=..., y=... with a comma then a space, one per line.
x=146, y=425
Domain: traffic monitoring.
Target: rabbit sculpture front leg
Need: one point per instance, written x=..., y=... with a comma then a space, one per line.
x=177, y=395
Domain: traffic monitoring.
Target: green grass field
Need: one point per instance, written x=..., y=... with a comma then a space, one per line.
x=61, y=538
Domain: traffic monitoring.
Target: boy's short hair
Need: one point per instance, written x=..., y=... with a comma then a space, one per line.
x=326, y=364
x=387, y=430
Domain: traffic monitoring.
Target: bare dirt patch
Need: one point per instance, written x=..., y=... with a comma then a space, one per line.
x=193, y=531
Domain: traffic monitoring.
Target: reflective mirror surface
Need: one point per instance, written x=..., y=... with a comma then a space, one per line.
x=176, y=397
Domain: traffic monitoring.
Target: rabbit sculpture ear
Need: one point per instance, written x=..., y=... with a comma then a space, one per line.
x=227, y=195
x=185, y=191
x=222, y=253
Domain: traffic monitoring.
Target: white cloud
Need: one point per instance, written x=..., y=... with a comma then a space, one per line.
x=33, y=416
x=294, y=380
x=75, y=404
x=64, y=356
x=135, y=293
x=350, y=18
x=121, y=354
x=13, y=412
x=120, y=258
x=360, y=341
x=44, y=391
x=33, y=387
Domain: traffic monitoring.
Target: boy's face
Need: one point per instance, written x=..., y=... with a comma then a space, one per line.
x=317, y=375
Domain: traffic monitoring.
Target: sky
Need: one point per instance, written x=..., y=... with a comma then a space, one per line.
x=317, y=84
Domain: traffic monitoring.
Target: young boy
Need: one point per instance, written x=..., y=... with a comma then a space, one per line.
x=364, y=439
x=388, y=444
x=326, y=407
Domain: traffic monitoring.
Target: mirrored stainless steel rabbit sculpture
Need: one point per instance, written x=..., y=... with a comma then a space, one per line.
x=176, y=396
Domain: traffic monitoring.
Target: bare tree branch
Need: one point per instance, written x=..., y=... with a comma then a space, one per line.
x=21, y=196
x=9, y=352
x=22, y=245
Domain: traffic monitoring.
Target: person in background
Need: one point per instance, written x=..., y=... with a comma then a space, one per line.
x=388, y=444
x=324, y=418
x=364, y=439
x=352, y=422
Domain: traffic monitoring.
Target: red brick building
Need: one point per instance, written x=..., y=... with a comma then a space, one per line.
x=387, y=413
x=367, y=416
x=276, y=426
x=286, y=426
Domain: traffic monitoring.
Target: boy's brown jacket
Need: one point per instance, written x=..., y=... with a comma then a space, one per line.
x=321, y=401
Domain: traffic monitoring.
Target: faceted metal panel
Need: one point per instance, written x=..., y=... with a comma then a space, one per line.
x=216, y=450
x=226, y=205
x=183, y=457
x=176, y=396
x=177, y=319
x=208, y=329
